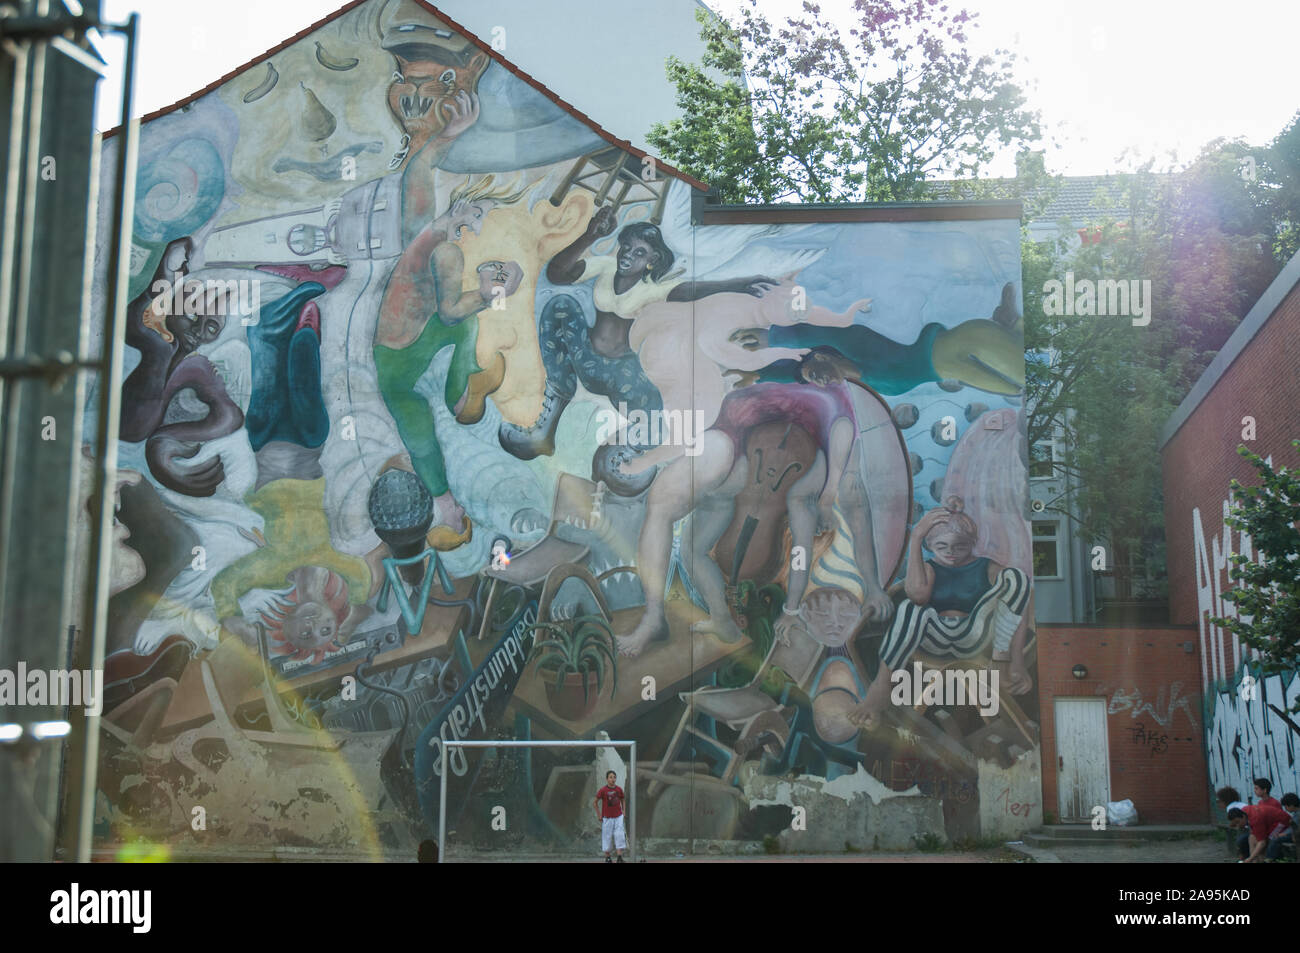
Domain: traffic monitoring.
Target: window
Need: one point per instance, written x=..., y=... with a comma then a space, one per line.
x=1040, y=460
x=1047, y=552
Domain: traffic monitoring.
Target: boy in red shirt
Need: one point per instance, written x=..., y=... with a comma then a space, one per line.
x=1261, y=820
x=609, y=811
x=1264, y=791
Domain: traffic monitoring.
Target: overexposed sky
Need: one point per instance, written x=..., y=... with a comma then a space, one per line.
x=1116, y=81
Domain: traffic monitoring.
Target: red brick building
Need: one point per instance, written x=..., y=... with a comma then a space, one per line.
x=1249, y=395
x=1157, y=715
x=1124, y=722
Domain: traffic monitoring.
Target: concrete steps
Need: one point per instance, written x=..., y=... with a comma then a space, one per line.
x=1082, y=835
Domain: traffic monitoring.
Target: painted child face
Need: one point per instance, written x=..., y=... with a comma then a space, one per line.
x=949, y=548
x=834, y=614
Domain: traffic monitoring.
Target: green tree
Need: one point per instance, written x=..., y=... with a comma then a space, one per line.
x=1278, y=188
x=1267, y=592
x=799, y=111
x=1204, y=240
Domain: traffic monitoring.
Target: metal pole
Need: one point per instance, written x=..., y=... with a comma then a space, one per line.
x=442, y=802
x=538, y=744
x=84, y=761
x=631, y=805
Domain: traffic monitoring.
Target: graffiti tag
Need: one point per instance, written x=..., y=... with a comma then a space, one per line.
x=1156, y=741
x=1014, y=808
x=1163, y=713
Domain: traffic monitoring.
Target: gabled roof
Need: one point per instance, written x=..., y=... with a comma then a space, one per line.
x=486, y=48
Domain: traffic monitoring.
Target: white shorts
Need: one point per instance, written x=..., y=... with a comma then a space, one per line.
x=611, y=828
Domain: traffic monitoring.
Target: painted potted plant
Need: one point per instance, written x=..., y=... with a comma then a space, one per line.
x=571, y=658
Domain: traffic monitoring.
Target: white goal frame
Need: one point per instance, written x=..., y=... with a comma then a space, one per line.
x=446, y=764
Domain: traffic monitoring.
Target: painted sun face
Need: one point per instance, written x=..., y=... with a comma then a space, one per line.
x=949, y=548
x=311, y=626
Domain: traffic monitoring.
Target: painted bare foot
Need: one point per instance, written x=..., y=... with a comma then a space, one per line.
x=447, y=512
x=652, y=628
x=722, y=627
x=866, y=716
x=451, y=527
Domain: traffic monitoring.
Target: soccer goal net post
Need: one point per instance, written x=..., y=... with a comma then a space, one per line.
x=524, y=814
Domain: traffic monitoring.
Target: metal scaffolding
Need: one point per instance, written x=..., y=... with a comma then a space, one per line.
x=53, y=578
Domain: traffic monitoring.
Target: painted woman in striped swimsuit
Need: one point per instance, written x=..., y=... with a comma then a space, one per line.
x=954, y=602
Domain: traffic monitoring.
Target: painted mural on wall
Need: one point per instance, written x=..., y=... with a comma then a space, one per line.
x=442, y=421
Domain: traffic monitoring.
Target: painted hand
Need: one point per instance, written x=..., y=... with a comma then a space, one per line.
x=758, y=285
x=461, y=113
x=505, y=275
x=603, y=222
x=1020, y=680
x=786, y=623
x=877, y=605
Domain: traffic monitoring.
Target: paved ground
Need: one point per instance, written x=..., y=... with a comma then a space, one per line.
x=1000, y=855
x=1209, y=850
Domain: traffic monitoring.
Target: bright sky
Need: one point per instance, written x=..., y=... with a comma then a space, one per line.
x=1113, y=79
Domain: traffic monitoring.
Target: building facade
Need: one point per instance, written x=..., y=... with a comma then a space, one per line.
x=450, y=415
x=1247, y=397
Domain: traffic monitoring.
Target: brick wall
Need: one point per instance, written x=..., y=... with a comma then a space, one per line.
x=1263, y=383
x=1148, y=679
x=1246, y=738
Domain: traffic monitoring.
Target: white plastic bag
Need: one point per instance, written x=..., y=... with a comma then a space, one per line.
x=1121, y=813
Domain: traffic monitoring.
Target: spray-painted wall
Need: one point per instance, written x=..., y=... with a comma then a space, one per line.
x=442, y=420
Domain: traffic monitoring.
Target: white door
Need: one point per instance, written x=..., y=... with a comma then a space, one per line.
x=1082, y=763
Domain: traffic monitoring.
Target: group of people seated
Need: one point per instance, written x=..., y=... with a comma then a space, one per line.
x=1268, y=827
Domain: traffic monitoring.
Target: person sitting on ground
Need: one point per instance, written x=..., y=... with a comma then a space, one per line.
x=1229, y=798
x=1284, y=842
x=1261, y=821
